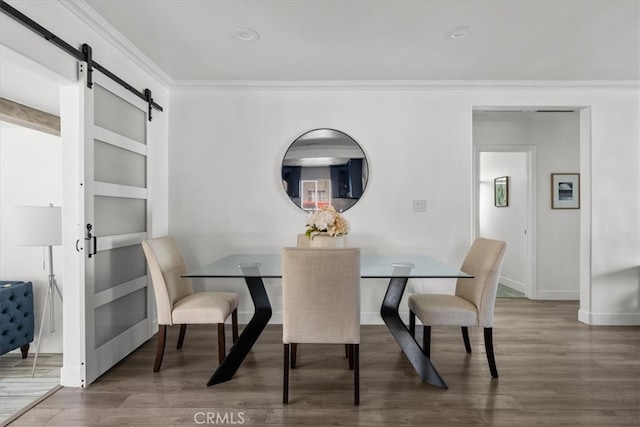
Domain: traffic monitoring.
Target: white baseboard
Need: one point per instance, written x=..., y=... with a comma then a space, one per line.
x=520, y=287
x=245, y=316
x=609, y=319
x=373, y=318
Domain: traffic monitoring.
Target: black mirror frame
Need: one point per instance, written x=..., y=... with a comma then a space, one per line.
x=348, y=189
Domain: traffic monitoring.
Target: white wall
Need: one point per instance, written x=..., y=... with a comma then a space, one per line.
x=556, y=137
x=506, y=223
x=226, y=191
x=614, y=296
x=21, y=82
x=226, y=195
x=30, y=174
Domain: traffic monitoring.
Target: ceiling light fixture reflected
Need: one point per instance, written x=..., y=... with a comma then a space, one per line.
x=460, y=32
x=246, y=34
x=316, y=161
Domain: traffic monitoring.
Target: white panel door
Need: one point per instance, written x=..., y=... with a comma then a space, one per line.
x=114, y=193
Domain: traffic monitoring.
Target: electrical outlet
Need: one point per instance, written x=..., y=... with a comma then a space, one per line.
x=419, y=205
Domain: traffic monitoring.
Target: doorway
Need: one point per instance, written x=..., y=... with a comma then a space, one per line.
x=557, y=142
x=509, y=170
x=31, y=174
x=510, y=219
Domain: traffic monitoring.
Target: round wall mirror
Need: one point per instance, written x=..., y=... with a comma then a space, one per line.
x=324, y=167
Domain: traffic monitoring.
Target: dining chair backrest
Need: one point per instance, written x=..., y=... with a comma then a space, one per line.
x=166, y=267
x=484, y=262
x=321, y=295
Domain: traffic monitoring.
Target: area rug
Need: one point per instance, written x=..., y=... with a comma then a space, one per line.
x=18, y=395
x=19, y=391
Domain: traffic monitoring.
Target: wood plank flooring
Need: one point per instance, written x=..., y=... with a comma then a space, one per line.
x=553, y=370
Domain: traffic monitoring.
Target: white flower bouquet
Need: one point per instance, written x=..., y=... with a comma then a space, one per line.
x=326, y=220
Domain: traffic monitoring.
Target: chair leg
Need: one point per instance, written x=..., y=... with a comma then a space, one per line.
x=287, y=359
x=183, y=329
x=426, y=340
x=162, y=336
x=355, y=352
x=412, y=323
x=351, y=356
x=25, y=351
x=294, y=355
x=234, y=325
x=221, y=343
x=465, y=337
x=285, y=383
x=488, y=343
x=346, y=350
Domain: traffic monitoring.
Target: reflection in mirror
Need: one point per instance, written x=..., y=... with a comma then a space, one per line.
x=324, y=167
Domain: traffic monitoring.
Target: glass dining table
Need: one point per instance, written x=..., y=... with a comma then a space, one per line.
x=397, y=268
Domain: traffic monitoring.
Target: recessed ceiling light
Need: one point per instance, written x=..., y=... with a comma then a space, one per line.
x=460, y=32
x=246, y=34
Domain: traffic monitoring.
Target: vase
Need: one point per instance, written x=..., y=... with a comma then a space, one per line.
x=324, y=240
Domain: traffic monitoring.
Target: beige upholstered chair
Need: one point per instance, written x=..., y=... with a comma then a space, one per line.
x=321, y=303
x=176, y=301
x=473, y=302
x=332, y=243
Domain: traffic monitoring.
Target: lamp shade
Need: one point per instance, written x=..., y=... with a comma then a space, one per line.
x=37, y=225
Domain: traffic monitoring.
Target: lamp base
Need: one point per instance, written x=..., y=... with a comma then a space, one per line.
x=48, y=303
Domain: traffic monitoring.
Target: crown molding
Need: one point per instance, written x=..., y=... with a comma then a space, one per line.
x=405, y=85
x=81, y=9
x=87, y=14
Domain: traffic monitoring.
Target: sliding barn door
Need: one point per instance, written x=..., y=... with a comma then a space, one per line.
x=114, y=193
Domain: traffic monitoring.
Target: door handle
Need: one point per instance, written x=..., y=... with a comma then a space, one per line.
x=92, y=238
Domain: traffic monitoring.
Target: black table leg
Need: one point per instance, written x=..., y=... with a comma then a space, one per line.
x=249, y=335
x=408, y=344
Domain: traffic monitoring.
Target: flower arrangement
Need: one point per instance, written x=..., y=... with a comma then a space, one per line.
x=326, y=220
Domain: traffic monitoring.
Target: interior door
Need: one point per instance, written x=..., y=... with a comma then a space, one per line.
x=114, y=193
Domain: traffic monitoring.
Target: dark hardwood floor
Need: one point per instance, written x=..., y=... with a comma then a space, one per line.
x=554, y=371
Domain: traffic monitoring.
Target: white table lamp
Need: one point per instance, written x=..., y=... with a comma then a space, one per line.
x=40, y=226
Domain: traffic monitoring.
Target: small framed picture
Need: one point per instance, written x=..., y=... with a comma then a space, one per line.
x=565, y=191
x=501, y=191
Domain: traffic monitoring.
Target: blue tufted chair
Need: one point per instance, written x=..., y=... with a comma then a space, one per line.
x=16, y=316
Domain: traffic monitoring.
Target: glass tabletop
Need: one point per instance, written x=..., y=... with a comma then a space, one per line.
x=372, y=266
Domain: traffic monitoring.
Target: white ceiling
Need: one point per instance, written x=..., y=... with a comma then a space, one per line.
x=342, y=40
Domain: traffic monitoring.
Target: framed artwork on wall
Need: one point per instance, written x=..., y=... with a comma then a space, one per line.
x=565, y=191
x=501, y=191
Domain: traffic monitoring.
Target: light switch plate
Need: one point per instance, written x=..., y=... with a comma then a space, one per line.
x=419, y=205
